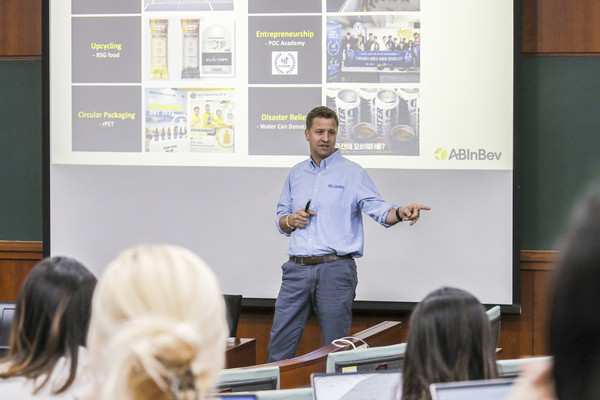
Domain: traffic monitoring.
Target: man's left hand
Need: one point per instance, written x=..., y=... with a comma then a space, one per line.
x=412, y=212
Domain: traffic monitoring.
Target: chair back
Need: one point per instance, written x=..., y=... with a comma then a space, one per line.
x=494, y=315
x=304, y=393
x=7, y=311
x=248, y=379
x=511, y=368
x=233, y=307
x=370, y=359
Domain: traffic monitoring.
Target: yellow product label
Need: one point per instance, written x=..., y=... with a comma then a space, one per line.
x=159, y=51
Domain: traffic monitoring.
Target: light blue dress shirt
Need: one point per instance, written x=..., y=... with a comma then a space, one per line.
x=339, y=190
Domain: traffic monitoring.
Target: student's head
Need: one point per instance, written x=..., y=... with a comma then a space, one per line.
x=196, y=110
x=158, y=329
x=51, y=320
x=207, y=107
x=219, y=113
x=574, y=317
x=449, y=340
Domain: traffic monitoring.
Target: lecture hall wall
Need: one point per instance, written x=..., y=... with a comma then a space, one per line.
x=559, y=70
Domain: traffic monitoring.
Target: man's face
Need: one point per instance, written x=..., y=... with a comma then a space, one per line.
x=321, y=138
x=207, y=108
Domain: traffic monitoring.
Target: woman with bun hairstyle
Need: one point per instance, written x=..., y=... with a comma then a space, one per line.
x=46, y=356
x=158, y=327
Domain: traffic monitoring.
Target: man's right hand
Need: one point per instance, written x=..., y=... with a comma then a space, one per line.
x=299, y=219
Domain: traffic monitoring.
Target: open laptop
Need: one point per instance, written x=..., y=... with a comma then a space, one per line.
x=491, y=389
x=372, y=385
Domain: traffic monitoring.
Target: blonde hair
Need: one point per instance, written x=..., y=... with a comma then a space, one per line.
x=158, y=328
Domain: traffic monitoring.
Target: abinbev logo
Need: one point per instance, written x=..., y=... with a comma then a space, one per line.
x=467, y=155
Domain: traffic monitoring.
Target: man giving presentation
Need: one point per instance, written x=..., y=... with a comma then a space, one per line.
x=320, y=209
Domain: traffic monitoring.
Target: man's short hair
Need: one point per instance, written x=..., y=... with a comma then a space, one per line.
x=321, y=112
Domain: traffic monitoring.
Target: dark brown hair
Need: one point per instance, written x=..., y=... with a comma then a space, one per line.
x=574, y=318
x=321, y=112
x=51, y=320
x=449, y=340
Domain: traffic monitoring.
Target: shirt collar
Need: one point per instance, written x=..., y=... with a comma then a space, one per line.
x=329, y=161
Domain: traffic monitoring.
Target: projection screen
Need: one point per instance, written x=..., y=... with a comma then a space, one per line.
x=177, y=122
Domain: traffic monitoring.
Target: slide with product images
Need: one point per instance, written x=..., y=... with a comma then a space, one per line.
x=233, y=80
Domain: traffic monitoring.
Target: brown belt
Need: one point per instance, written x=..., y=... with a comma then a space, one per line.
x=313, y=260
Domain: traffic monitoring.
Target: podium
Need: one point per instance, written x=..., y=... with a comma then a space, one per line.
x=240, y=353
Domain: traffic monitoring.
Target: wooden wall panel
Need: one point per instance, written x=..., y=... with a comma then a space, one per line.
x=541, y=288
x=21, y=28
x=520, y=335
x=16, y=260
x=541, y=264
x=561, y=27
x=256, y=323
x=516, y=331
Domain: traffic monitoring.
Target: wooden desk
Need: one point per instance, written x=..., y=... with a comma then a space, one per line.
x=241, y=353
x=296, y=372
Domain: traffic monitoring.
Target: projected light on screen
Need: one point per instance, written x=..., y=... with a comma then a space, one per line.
x=170, y=118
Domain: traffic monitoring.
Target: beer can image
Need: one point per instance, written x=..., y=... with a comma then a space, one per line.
x=402, y=141
x=367, y=104
x=330, y=95
x=410, y=97
x=348, y=110
x=386, y=106
x=363, y=132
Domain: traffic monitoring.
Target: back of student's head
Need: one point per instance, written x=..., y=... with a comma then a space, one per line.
x=449, y=340
x=574, y=311
x=51, y=320
x=158, y=328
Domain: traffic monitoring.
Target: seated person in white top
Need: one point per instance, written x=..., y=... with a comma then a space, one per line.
x=158, y=328
x=46, y=358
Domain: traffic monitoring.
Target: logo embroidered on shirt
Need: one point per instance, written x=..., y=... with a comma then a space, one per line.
x=335, y=186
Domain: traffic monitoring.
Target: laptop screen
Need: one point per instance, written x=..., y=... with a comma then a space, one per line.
x=493, y=389
x=375, y=385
